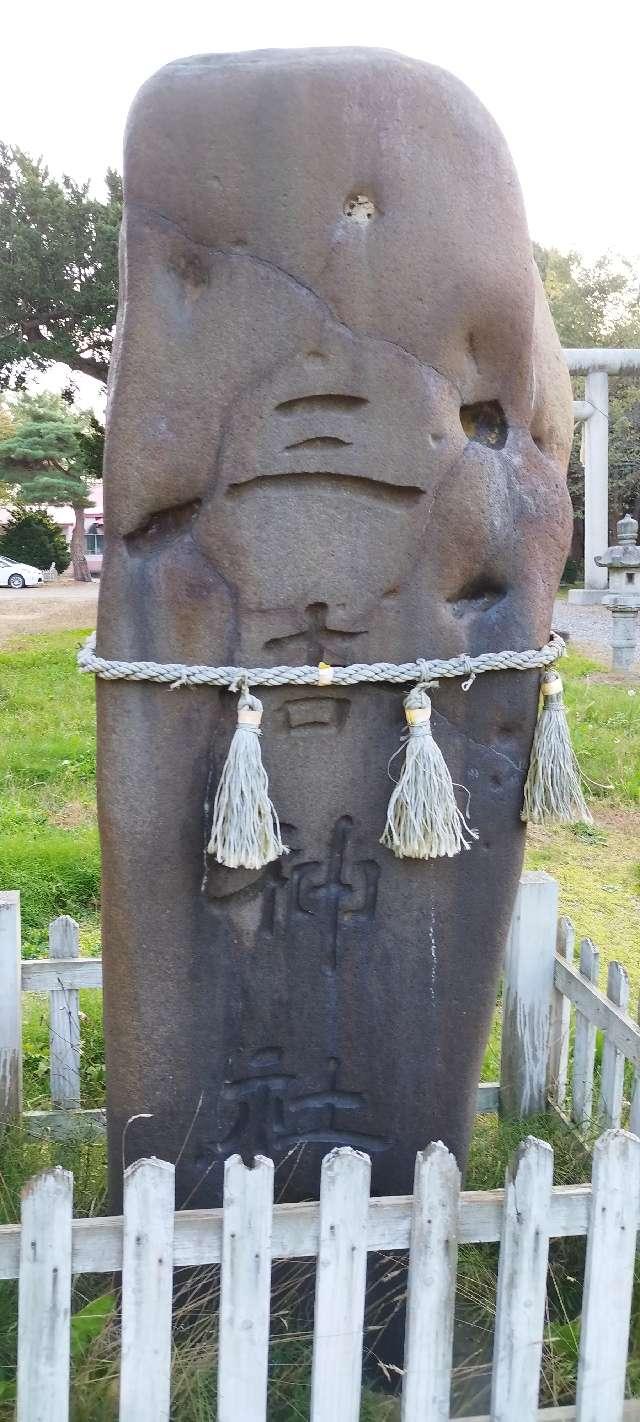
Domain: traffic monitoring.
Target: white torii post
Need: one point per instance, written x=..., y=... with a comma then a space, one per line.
x=597, y=365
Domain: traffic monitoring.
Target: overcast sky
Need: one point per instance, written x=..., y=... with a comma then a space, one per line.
x=561, y=79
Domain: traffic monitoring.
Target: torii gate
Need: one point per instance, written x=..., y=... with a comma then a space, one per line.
x=597, y=364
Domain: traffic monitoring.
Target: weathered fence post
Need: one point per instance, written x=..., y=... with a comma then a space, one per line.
x=608, y=1279
x=341, y=1273
x=558, y=1074
x=64, y=1019
x=245, y=1290
x=584, y=1045
x=522, y=1284
x=431, y=1287
x=612, y=1081
x=147, y=1282
x=10, y=1007
x=528, y=988
x=44, y=1298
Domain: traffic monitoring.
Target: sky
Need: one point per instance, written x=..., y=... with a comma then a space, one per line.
x=561, y=80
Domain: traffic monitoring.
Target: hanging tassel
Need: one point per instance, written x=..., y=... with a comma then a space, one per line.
x=553, y=791
x=245, y=833
x=423, y=820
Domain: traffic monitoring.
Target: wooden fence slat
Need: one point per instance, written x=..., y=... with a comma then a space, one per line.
x=584, y=1046
x=64, y=1019
x=44, y=1298
x=608, y=1281
x=66, y=1125
x=10, y=1008
x=634, y=1113
x=341, y=1274
x=558, y=1077
x=612, y=1081
x=599, y=1011
x=522, y=1284
x=431, y=1288
x=43, y=975
x=147, y=1280
x=97, y=1242
x=528, y=986
x=245, y=1289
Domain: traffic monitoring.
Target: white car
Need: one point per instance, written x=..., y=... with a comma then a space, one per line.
x=18, y=575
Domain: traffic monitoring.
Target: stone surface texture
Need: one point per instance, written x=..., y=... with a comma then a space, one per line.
x=338, y=429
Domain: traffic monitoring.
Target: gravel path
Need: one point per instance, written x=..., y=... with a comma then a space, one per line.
x=589, y=629
x=51, y=607
x=61, y=606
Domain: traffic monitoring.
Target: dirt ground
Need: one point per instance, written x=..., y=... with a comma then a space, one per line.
x=51, y=607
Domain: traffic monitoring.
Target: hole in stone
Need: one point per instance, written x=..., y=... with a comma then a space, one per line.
x=435, y=439
x=359, y=208
x=485, y=423
x=477, y=596
x=165, y=524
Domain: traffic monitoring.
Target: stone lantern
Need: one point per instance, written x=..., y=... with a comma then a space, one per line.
x=623, y=599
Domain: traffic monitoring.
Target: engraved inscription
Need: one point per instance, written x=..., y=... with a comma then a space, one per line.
x=275, y=1110
x=312, y=641
x=337, y=894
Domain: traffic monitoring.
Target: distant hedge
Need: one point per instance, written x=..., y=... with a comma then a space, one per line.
x=31, y=536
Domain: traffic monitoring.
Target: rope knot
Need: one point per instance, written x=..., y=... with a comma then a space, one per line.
x=468, y=673
x=182, y=680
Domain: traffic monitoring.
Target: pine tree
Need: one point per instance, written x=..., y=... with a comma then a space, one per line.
x=45, y=459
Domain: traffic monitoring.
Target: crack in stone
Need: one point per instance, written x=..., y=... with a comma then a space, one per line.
x=481, y=745
x=297, y=282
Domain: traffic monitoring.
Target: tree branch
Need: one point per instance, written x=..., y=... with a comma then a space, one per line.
x=88, y=365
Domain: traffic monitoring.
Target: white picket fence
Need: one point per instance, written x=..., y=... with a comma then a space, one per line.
x=550, y=1005
x=542, y=991
x=151, y=1239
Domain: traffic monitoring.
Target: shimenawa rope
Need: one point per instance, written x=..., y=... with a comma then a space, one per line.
x=423, y=819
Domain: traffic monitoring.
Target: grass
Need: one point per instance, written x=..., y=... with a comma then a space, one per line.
x=48, y=834
x=49, y=850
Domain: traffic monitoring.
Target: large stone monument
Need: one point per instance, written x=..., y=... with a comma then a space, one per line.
x=338, y=430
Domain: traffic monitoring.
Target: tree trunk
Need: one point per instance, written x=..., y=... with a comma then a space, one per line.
x=81, y=572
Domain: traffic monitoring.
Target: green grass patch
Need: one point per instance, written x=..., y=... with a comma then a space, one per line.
x=604, y=715
x=48, y=837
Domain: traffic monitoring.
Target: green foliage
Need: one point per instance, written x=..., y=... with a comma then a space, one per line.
x=58, y=270
x=91, y=442
x=44, y=454
x=591, y=306
x=599, y=305
x=31, y=536
x=48, y=839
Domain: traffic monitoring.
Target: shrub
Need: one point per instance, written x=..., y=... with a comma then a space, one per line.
x=31, y=536
x=571, y=571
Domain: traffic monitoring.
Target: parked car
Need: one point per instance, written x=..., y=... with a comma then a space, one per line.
x=18, y=575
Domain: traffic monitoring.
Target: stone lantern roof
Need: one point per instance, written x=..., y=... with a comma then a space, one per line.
x=625, y=553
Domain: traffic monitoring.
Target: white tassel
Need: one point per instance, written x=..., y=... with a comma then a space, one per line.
x=245, y=833
x=553, y=792
x=423, y=819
